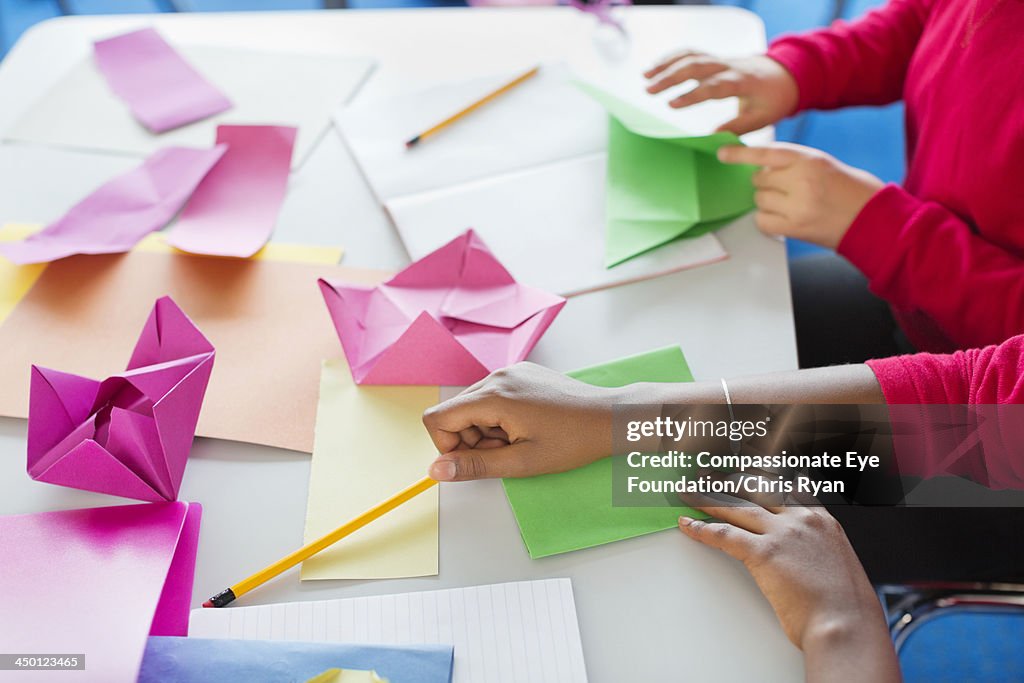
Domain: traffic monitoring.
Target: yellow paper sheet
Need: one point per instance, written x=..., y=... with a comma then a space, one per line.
x=15, y=280
x=347, y=676
x=273, y=251
x=370, y=444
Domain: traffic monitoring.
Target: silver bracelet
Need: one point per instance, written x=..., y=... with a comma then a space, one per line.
x=734, y=446
x=728, y=398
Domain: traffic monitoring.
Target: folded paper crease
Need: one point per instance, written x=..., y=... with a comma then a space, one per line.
x=448, y=319
x=664, y=183
x=130, y=434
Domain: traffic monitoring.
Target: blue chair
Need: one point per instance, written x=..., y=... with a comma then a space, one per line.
x=958, y=632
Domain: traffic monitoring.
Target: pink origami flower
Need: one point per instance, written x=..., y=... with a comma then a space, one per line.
x=130, y=434
x=449, y=319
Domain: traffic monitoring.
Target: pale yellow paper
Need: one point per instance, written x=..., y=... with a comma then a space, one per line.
x=347, y=676
x=273, y=251
x=370, y=444
x=15, y=280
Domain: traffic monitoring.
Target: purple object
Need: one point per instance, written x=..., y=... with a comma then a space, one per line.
x=97, y=581
x=158, y=85
x=123, y=211
x=130, y=434
x=602, y=9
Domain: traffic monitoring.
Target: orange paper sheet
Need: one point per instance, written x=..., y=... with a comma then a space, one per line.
x=266, y=319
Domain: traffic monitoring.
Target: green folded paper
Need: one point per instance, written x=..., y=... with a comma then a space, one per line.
x=573, y=510
x=664, y=184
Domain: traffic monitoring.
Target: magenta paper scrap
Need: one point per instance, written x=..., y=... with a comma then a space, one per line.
x=162, y=90
x=122, y=211
x=235, y=208
x=97, y=582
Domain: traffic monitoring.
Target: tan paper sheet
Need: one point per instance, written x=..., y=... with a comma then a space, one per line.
x=371, y=444
x=266, y=319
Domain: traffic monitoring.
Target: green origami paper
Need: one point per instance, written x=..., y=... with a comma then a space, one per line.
x=573, y=510
x=664, y=184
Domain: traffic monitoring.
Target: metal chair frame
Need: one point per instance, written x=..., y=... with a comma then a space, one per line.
x=909, y=607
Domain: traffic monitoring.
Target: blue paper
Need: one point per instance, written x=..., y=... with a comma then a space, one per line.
x=205, y=660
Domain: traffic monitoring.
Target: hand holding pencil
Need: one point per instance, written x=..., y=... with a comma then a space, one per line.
x=229, y=595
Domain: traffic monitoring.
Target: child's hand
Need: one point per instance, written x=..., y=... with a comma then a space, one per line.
x=519, y=422
x=803, y=192
x=802, y=562
x=766, y=90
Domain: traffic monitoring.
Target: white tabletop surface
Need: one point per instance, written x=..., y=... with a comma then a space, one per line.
x=652, y=608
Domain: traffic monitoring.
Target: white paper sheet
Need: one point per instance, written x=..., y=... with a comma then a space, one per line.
x=546, y=224
x=543, y=120
x=279, y=88
x=509, y=632
x=628, y=83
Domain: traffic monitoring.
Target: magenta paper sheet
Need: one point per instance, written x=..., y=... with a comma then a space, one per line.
x=96, y=581
x=234, y=210
x=123, y=210
x=162, y=90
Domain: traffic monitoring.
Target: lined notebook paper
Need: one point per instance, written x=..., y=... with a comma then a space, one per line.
x=502, y=633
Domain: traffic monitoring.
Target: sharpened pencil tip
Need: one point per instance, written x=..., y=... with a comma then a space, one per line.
x=412, y=142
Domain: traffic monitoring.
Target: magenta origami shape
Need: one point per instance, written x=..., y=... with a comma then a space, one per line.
x=130, y=434
x=449, y=318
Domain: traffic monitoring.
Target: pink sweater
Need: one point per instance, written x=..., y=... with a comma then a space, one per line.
x=988, y=379
x=988, y=376
x=946, y=249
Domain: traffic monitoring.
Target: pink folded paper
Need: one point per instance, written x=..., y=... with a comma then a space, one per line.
x=158, y=85
x=97, y=582
x=449, y=319
x=130, y=434
x=233, y=211
x=123, y=210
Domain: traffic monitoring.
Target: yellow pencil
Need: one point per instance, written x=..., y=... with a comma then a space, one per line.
x=228, y=595
x=473, y=107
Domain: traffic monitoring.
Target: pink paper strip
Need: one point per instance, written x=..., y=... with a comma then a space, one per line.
x=159, y=86
x=122, y=211
x=171, y=616
x=91, y=581
x=234, y=210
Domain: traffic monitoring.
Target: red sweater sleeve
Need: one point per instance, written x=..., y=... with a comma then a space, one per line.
x=933, y=262
x=853, y=63
x=982, y=443
x=988, y=376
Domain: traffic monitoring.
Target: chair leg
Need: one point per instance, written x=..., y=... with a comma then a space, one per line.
x=838, y=10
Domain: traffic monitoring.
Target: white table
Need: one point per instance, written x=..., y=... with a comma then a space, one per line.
x=651, y=608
